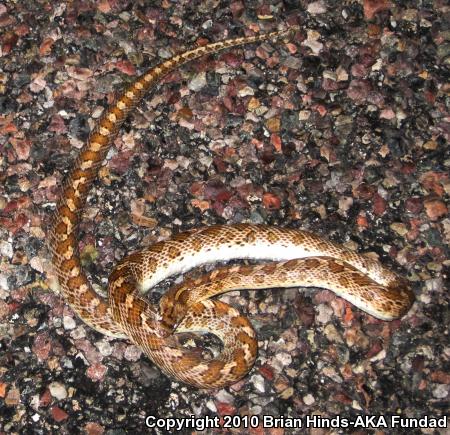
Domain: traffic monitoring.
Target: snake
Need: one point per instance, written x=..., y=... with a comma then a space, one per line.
x=288, y=257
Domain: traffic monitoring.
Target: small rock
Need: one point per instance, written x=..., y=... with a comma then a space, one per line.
x=58, y=414
x=439, y=376
x=282, y=359
x=78, y=333
x=441, y=391
x=316, y=8
x=45, y=399
x=356, y=405
x=6, y=249
x=225, y=409
x=211, y=406
x=435, y=209
x=36, y=264
x=312, y=41
x=246, y=91
x=96, y=371
x=345, y=203
x=13, y=397
x=379, y=356
x=437, y=267
x=358, y=90
x=414, y=205
x=325, y=313
x=132, y=353
x=372, y=7
x=332, y=334
x=69, y=322
x=308, y=399
x=224, y=396
x=273, y=124
x=41, y=346
x=430, y=145
x=287, y=393
x=399, y=228
x=94, y=429
x=258, y=383
x=58, y=390
x=271, y=201
x=197, y=82
x=304, y=115
x=253, y=104
x=104, y=347
x=331, y=373
x=341, y=74
x=379, y=204
x=387, y=114
x=267, y=372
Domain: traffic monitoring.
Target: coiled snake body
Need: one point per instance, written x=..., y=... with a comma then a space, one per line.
x=302, y=259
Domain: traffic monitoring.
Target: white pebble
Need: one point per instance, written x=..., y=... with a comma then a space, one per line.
x=104, y=347
x=258, y=382
x=308, y=399
x=316, y=8
x=198, y=82
x=69, y=323
x=225, y=397
x=441, y=391
x=57, y=390
x=6, y=249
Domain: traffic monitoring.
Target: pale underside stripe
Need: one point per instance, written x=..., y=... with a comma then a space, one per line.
x=212, y=254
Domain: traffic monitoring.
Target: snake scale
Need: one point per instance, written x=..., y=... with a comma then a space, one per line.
x=298, y=258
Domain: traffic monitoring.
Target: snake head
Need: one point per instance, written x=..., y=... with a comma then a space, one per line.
x=171, y=313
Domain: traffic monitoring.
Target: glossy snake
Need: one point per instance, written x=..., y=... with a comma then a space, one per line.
x=303, y=259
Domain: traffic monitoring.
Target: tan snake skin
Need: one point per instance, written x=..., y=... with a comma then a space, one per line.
x=303, y=259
